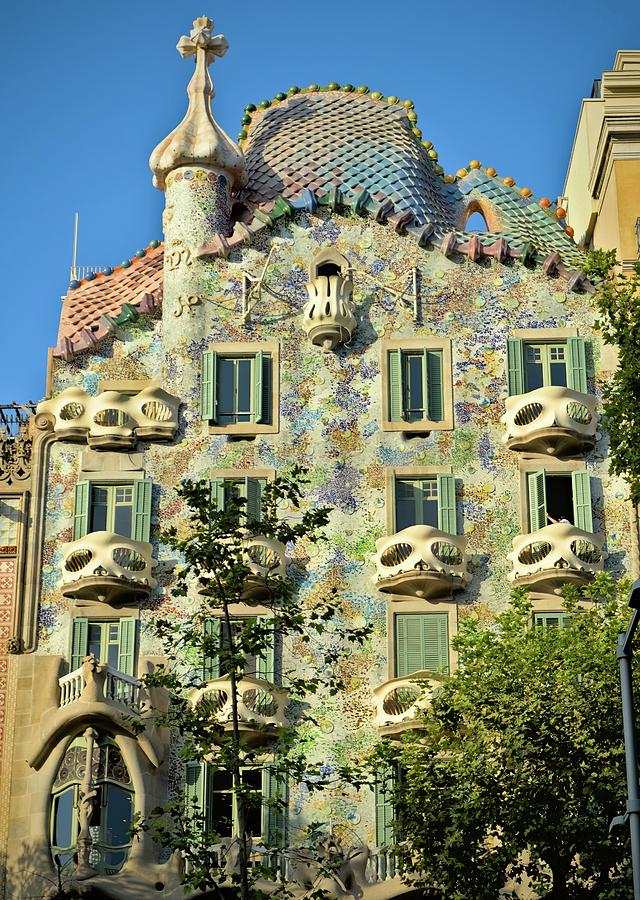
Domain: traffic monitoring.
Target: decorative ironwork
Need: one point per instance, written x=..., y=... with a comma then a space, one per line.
x=15, y=442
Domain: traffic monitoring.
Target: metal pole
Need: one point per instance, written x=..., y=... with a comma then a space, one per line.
x=624, y=654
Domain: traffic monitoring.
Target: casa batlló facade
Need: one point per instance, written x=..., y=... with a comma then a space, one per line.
x=316, y=299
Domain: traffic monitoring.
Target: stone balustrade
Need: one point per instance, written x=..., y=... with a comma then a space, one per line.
x=554, y=556
x=421, y=561
x=261, y=706
x=115, y=686
x=400, y=702
x=328, y=316
x=107, y=567
x=113, y=420
x=554, y=420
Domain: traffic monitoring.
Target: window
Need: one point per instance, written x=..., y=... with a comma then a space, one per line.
x=111, y=641
x=535, y=364
x=111, y=811
x=552, y=620
x=249, y=489
x=560, y=497
x=237, y=388
x=123, y=509
x=417, y=390
x=209, y=792
x=430, y=500
x=421, y=643
x=9, y=522
x=259, y=666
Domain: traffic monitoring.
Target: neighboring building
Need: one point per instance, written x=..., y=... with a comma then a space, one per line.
x=602, y=188
x=317, y=298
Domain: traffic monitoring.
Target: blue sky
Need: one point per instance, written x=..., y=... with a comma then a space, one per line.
x=88, y=89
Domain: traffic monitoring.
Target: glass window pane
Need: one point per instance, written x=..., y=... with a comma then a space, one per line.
x=226, y=391
x=122, y=520
x=112, y=655
x=429, y=490
x=558, y=365
x=415, y=387
x=99, y=505
x=9, y=518
x=221, y=814
x=221, y=780
x=405, y=504
x=245, y=367
x=534, y=370
x=94, y=642
x=63, y=819
x=118, y=817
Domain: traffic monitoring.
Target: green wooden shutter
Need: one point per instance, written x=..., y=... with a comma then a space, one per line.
x=582, y=514
x=141, y=526
x=79, y=639
x=385, y=812
x=274, y=815
x=267, y=376
x=265, y=663
x=209, y=367
x=195, y=786
x=576, y=365
x=447, y=503
x=435, y=400
x=216, y=486
x=254, y=496
x=537, y=500
x=211, y=661
x=515, y=366
x=552, y=620
x=395, y=385
x=127, y=646
x=256, y=386
x=81, y=507
x=422, y=642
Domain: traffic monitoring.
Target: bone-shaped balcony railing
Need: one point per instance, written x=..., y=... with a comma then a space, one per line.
x=261, y=705
x=328, y=316
x=104, y=566
x=555, y=555
x=401, y=701
x=115, y=686
x=421, y=561
x=550, y=420
x=266, y=559
x=113, y=419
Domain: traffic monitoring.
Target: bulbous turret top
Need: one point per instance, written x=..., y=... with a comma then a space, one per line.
x=198, y=139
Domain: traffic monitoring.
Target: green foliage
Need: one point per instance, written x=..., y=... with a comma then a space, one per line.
x=520, y=766
x=213, y=575
x=618, y=303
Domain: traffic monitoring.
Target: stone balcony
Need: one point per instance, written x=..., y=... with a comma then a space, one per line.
x=113, y=420
x=94, y=682
x=266, y=559
x=261, y=707
x=399, y=703
x=328, y=316
x=421, y=561
x=107, y=567
x=554, y=556
x=554, y=420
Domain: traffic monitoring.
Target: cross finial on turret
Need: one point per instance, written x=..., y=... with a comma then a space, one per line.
x=200, y=38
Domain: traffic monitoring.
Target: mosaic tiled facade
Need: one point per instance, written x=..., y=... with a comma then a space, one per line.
x=239, y=251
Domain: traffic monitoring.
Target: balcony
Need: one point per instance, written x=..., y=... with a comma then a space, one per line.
x=261, y=707
x=421, y=561
x=554, y=420
x=94, y=682
x=400, y=703
x=113, y=420
x=107, y=567
x=328, y=316
x=554, y=556
x=266, y=560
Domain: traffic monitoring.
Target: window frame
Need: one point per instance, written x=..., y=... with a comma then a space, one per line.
x=238, y=350
x=442, y=345
x=545, y=336
x=401, y=604
x=563, y=617
x=407, y=473
x=84, y=621
x=552, y=467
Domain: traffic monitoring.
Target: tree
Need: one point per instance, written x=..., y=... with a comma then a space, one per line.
x=519, y=766
x=217, y=545
x=618, y=302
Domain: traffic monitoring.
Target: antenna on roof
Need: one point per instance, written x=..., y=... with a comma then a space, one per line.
x=73, y=273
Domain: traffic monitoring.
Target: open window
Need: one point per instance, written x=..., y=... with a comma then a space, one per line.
x=261, y=665
x=112, y=641
x=560, y=497
x=536, y=364
x=428, y=500
x=234, y=488
x=123, y=509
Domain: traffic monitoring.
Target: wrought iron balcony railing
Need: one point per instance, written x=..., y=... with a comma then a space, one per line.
x=400, y=702
x=113, y=420
x=554, y=556
x=421, y=561
x=554, y=420
x=107, y=567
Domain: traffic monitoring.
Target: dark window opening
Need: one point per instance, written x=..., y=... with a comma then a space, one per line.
x=559, y=491
x=328, y=269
